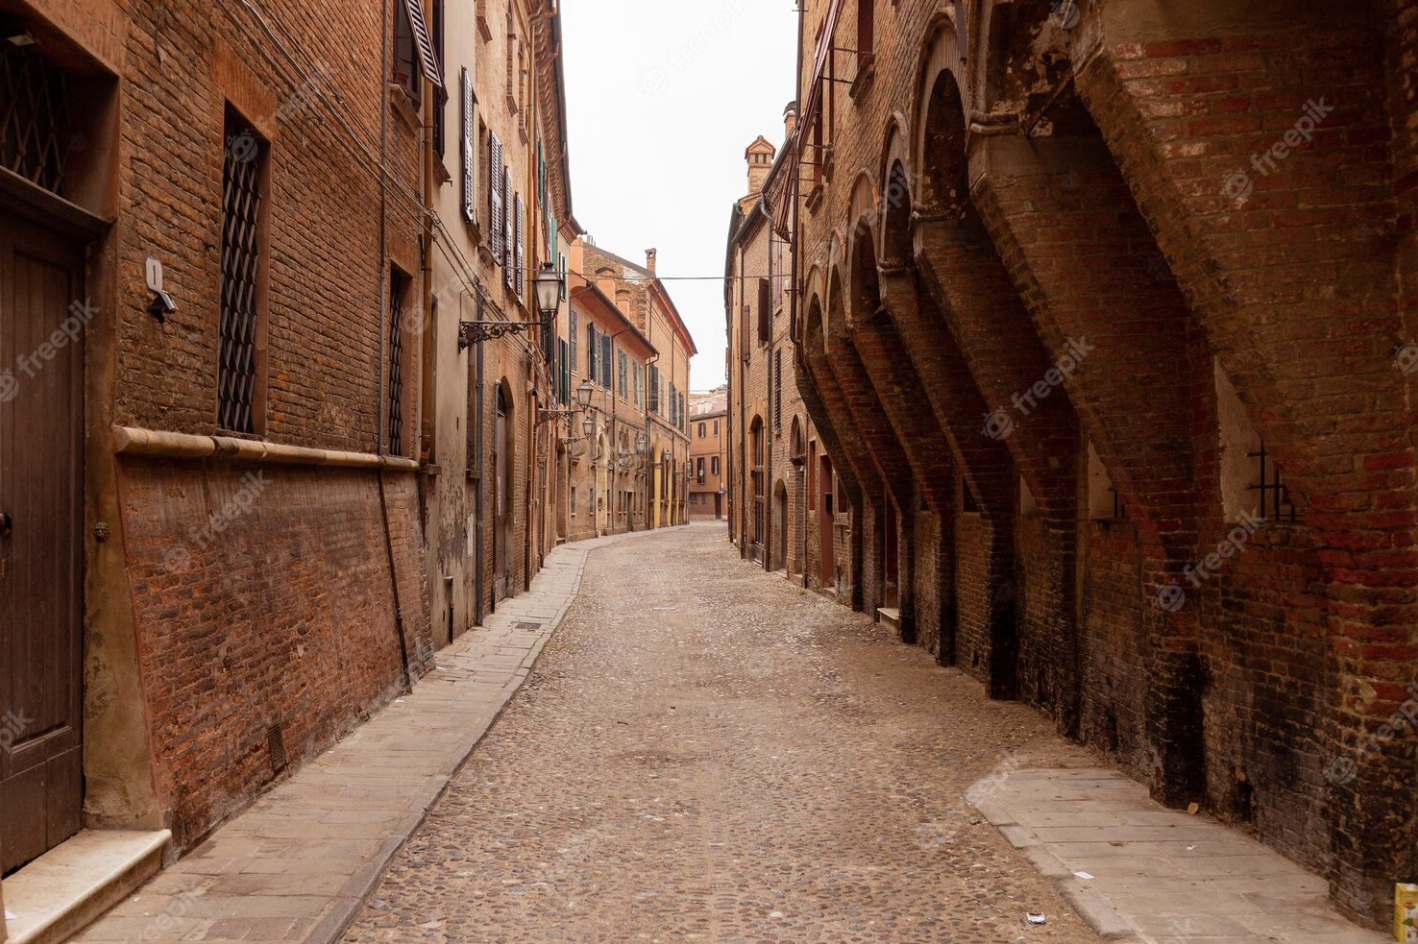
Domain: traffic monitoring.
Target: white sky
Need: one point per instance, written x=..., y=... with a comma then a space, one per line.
x=663, y=97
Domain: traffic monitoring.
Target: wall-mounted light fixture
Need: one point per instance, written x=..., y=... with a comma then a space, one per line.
x=547, y=285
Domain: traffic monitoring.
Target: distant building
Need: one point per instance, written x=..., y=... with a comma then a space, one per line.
x=708, y=453
x=771, y=445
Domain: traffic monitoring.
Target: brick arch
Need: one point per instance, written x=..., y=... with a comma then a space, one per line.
x=836, y=429
x=972, y=289
x=969, y=285
x=894, y=184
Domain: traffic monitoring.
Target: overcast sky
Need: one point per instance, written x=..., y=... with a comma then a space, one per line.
x=663, y=97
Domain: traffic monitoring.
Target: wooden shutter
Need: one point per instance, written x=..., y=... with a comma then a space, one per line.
x=572, y=334
x=519, y=246
x=507, y=225
x=423, y=45
x=564, y=362
x=591, y=351
x=764, y=310
x=469, y=190
x=494, y=196
x=606, y=361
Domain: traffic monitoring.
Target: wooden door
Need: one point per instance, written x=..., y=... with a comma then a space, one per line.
x=41, y=518
x=502, y=498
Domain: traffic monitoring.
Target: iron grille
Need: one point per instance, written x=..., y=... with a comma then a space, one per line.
x=1275, y=504
x=241, y=260
x=396, y=367
x=35, y=124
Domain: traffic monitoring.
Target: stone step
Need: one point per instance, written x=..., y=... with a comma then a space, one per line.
x=63, y=891
x=889, y=616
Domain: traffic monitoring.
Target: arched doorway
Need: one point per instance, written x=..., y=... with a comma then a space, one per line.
x=502, y=494
x=780, y=526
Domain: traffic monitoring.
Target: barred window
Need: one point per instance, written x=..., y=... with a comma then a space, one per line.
x=242, y=249
x=398, y=294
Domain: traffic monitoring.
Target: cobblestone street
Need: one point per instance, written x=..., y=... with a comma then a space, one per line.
x=707, y=753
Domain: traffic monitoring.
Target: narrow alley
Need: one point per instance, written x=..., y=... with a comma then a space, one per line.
x=706, y=753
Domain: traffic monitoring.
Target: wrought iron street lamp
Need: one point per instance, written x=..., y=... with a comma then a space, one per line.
x=547, y=285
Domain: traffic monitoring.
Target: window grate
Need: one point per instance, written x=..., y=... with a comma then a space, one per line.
x=1275, y=503
x=241, y=257
x=396, y=367
x=35, y=124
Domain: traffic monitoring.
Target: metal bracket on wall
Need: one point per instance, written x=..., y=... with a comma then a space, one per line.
x=476, y=332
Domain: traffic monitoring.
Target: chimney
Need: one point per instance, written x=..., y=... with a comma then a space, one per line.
x=790, y=120
x=650, y=255
x=760, y=161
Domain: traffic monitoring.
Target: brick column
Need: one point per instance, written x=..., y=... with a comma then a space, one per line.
x=970, y=287
x=1264, y=151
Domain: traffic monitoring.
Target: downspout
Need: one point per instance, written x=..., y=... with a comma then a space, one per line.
x=384, y=310
x=478, y=459
x=796, y=289
x=769, y=430
x=615, y=430
x=744, y=549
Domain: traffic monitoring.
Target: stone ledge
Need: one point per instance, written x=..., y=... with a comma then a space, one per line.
x=63, y=890
x=134, y=441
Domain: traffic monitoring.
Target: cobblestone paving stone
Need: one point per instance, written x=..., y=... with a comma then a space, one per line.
x=707, y=753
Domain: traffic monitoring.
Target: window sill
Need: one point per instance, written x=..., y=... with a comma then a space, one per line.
x=440, y=171
x=404, y=107
x=866, y=76
x=484, y=28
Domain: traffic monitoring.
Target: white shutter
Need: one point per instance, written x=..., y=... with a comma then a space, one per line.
x=469, y=189
x=507, y=225
x=494, y=196
x=519, y=248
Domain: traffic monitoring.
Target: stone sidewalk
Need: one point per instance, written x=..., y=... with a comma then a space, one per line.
x=295, y=866
x=1150, y=875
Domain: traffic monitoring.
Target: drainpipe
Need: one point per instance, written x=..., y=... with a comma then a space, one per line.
x=796, y=293
x=384, y=310
x=768, y=429
x=743, y=405
x=478, y=458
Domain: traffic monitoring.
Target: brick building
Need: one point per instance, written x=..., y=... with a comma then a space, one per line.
x=708, y=453
x=212, y=551
x=1107, y=321
x=609, y=475
x=646, y=303
x=772, y=452
x=489, y=441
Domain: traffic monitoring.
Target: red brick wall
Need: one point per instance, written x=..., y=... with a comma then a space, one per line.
x=282, y=616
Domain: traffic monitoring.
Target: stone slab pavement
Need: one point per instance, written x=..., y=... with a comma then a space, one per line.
x=296, y=865
x=1151, y=875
